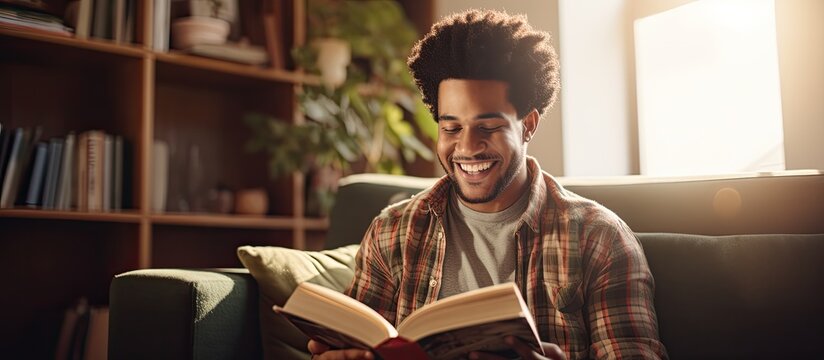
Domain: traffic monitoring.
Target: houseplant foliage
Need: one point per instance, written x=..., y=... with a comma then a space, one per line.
x=366, y=119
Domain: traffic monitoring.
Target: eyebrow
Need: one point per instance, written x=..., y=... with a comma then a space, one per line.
x=489, y=115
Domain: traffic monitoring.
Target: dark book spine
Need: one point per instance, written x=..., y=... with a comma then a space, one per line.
x=38, y=169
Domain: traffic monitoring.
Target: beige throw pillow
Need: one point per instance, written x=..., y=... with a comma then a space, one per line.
x=278, y=271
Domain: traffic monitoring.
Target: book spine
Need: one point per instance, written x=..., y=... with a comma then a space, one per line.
x=84, y=19
x=52, y=173
x=36, y=180
x=108, y=175
x=81, y=194
x=118, y=173
x=14, y=154
x=67, y=174
x=6, y=137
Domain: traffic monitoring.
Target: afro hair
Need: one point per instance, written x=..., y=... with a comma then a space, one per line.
x=488, y=45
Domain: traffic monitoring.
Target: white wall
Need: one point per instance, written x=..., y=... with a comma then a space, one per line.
x=597, y=111
x=800, y=32
x=547, y=146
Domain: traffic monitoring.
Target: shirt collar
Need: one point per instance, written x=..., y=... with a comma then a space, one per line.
x=437, y=198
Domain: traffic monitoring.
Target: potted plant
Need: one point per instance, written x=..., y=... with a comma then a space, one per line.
x=200, y=28
x=364, y=120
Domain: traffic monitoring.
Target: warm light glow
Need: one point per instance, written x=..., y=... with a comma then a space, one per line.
x=709, y=97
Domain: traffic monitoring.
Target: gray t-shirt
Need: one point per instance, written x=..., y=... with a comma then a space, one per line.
x=480, y=247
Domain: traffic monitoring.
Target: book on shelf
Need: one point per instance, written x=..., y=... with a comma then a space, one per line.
x=6, y=138
x=52, y=173
x=84, y=332
x=75, y=322
x=35, y=179
x=68, y=175
x=83, y=23
x=449, y=328
x=18, y=166
x=160, y=174
x=161, y=22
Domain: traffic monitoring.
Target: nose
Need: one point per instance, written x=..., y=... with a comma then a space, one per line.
x=470, y=143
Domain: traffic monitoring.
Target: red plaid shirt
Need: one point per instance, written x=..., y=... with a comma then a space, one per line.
x=580, y=268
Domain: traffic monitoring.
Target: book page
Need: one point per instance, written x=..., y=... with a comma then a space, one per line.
x=338, y=312
x=490, y=304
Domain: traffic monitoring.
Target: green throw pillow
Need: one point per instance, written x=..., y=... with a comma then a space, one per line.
x=278, y=271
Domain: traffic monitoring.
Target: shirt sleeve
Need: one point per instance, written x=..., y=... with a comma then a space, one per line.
x=620, y=309
x=373, y=283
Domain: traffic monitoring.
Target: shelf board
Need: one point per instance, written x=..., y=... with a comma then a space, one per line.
x=237, y=221
x=207, y=67
x=98, y=45
x=128, y=216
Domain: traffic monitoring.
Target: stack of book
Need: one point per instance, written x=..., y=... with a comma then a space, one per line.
x=84, y=171
x=105, y=19
x=21, y=18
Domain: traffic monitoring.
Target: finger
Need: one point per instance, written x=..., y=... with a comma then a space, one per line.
x=553, y=351
x=350, y=354
x=521, y=348
x=317, y=347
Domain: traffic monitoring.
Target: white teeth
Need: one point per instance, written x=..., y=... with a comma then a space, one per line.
x=475, y=168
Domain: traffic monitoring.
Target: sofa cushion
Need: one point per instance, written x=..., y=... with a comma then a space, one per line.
x=278, y=271
x=741, y=296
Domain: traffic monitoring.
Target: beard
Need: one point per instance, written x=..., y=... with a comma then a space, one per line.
x=515, y=163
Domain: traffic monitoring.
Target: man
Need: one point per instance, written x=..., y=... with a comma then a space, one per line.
x=496, y=217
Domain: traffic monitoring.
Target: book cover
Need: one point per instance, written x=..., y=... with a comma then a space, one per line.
x=450, y=328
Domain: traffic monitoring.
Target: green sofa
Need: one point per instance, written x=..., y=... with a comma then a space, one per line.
x=738, y=264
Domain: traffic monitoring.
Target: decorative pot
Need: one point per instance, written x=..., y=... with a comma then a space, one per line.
x=333, y=57
x=195, y=30
x=251, y=201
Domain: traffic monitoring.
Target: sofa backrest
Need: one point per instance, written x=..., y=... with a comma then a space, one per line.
x=790, y=202
x=738, y=297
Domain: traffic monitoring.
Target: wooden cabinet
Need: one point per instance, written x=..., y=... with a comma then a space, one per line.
x=196, y=105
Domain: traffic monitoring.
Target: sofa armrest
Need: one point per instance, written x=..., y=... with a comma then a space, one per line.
x=184, y=314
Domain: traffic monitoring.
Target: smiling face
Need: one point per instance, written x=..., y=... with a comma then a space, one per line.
x=482, y=143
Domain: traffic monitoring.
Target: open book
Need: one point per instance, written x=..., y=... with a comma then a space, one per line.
x=449, y=328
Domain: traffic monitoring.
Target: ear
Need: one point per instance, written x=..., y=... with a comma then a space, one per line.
x=531, y=121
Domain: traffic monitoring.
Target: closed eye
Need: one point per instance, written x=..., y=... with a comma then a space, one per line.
x=491, y=128
x=451, y=130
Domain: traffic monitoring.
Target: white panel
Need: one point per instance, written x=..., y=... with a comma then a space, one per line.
x=708, y=89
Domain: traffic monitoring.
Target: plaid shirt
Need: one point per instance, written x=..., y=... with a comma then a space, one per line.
x=580, y=268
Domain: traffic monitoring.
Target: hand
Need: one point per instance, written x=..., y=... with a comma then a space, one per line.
x=320, y=351
x=551, y=351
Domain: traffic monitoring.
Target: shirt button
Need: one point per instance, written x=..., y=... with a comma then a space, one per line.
x=432, y=282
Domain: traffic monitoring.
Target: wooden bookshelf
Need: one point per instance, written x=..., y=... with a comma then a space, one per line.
x=64, y=84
